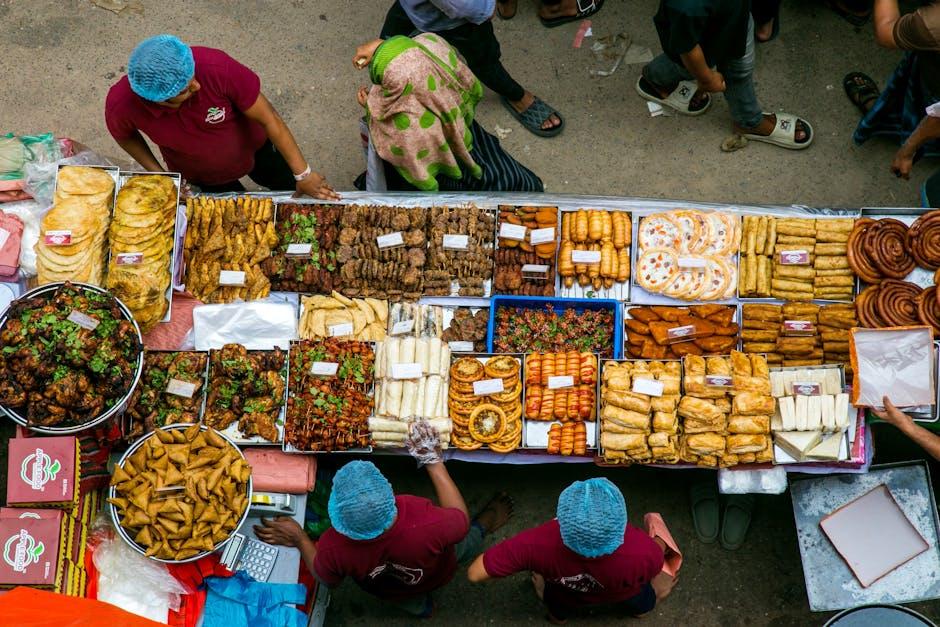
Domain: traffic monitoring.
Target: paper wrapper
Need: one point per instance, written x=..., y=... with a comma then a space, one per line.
x=896, y=362
x=255, y=325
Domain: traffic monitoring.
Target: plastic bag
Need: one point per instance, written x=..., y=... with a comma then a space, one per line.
x=30, y=213
x=897, y=363
x=132, y=582
x=40, y=174
x=763, y=481
x=16, y=151
x=257, y=325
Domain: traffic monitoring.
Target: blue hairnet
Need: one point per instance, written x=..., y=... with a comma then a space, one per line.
x=160, y=68
x=362, y=504
x=592, y=516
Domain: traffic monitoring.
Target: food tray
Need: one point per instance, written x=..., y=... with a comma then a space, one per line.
x=232, y=432
x=737, y=319
x=289, y=448
x=535, y=432
x=559, y=305
x=123, y=177
x=919, y=276
x=619, y=291
x=483, y=358
x=129, y=422
x=551, y=276
x=487, y=283
x=120, y=405
x=115, y=518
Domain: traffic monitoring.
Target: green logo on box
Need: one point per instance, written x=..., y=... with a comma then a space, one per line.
x=38, y=469
x=21, y=550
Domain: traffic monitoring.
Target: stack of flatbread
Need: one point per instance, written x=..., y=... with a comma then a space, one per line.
x=141, y=237
x=72, y=242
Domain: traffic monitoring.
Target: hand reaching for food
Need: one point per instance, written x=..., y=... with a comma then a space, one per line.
x=424, y=443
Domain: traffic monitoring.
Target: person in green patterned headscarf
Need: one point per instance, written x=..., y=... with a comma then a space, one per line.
x=420, y=115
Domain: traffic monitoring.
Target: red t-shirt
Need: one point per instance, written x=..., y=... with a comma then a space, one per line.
x=415, y=556
x=573, y=580
x=207, y=139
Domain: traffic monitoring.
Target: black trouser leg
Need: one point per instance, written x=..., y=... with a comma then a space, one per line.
x=397, y=22
x=271, y=170
x=479, y=46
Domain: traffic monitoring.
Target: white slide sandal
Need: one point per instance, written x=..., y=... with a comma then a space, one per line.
x=784, y=133
x=680, y=99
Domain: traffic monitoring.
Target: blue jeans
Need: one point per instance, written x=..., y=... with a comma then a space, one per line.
x=739, y=81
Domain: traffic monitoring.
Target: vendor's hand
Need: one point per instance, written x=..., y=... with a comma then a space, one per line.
x=362, y=96
x=903, y=163
x=713, y=83
x=892, y=415
x=186, y=190
x=316, y=186
x=364, y=54
x=282, y=530
x=424, y=443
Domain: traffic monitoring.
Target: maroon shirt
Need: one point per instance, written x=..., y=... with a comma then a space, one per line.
x=415, y=556
x=570, y=579
x=207, y=139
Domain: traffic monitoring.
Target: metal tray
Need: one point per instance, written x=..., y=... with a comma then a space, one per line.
x=535, y=432
x=619, y=291
x=115, y=518
x=120, y=405
x=205, y=385
x=483, y=358
x=552, y=273
x=737, y=319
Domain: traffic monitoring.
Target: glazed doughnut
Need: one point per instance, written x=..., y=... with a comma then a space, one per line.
x=896, y=302
x=857, y=255
x=887, y=241
x=923, y=240
x=928, y=308
x=865, y=309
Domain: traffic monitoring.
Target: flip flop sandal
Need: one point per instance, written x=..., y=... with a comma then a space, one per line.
x=705, y=511
x=738, y=512
x=860, y=93
x=680, y=99
x=506, y=16
x=848, y=16
x=784, y=133
x=586, y=8
x=533, y=117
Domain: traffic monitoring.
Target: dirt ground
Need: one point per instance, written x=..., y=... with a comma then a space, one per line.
x=60, y=58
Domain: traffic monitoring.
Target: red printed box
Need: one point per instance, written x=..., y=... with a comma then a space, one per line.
x=29, y=551
x=43, y=472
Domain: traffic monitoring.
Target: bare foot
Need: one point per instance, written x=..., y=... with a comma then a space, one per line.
x=764, y=32
x=496, y=513
x=521, y=105
x=663, y=585
x=767, y=125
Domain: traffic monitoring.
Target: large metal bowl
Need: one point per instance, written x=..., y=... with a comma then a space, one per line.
x=118, y=408
x=116, y=518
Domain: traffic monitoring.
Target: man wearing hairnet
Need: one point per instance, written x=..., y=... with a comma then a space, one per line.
x=587, y=556
x=206, y=113
x=398, y=548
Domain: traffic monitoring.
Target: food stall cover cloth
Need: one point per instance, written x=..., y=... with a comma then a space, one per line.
x=28, y=607
x=241, y=601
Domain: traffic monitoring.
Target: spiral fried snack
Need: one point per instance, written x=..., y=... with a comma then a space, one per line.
x=897, y=302
x=928, y=308
x=858, y=257
x=867, y=310
x=923, y=240
x=887, y=241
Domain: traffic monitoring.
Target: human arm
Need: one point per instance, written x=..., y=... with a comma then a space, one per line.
x=885, y=16
x=927, y=440
x=708, y=79
x=903, y=163
x=267, y=116
x=284, y=531
x=448, y=495
x=477, y=571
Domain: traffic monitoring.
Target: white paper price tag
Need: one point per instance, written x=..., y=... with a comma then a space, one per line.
x=324, y=368
x=534, y=268
x=390, y=240
x=648, y=387
x=338, y=330
x=512, y=231
x=585, y=256
x=555, y=383
x=461, y=347
x=487, y=386
x=693, y=263
x=83, y=320
x=176, y=387
x=541, y=236
x=407, y=371
x=403, y=326
x=299, y=250
x=232, y=277
x=456, y=242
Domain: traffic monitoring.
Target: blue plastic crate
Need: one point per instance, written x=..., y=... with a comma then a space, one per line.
x=559, y=305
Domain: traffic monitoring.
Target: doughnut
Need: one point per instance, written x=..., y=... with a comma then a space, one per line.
x=928, y=308
x=896, y=303
x=887, y=241
x=857, y=255
x=865, y=309
x=923, y=240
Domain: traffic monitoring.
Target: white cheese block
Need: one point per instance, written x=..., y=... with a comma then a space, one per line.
x=796, y=443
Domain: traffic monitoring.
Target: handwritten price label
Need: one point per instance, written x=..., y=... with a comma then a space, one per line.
x=512, y=231
x=186, y=389
x=390, y=240
x=648, y=387
x=456, y=242
x=487, y=387
x=299, y=250
x=232, y=277
x=541, y=236
x=324, y=368
x=83, y=320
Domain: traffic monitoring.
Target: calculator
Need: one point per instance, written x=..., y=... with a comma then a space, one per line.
x=252, y=556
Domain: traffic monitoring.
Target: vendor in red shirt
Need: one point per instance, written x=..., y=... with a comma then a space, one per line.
x=587, y=556
x=397, y=548
x=206, y=112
